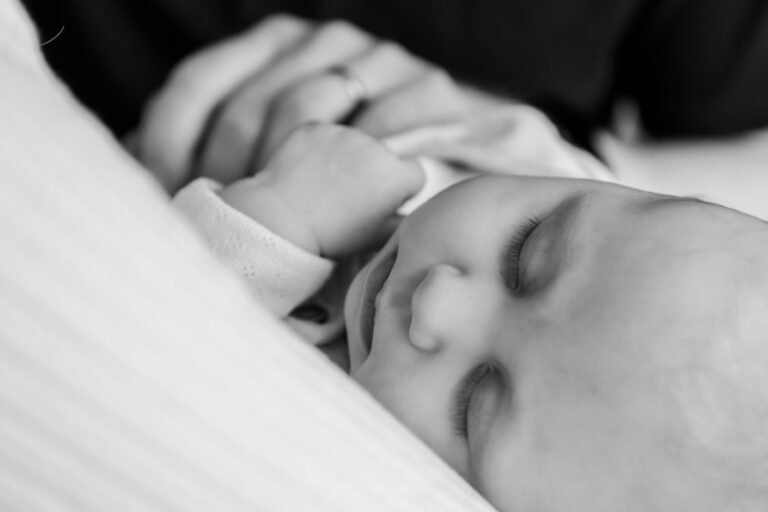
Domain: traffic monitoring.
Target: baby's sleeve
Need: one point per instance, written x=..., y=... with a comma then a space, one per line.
x=279, y=274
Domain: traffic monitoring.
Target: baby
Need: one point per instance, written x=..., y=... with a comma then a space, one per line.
x=565, y=345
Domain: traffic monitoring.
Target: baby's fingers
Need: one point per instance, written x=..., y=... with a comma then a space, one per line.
x=346, y=185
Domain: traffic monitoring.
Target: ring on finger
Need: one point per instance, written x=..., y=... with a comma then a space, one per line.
x=353, y=86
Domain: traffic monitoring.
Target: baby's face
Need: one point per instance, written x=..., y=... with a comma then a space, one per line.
x=547, y=337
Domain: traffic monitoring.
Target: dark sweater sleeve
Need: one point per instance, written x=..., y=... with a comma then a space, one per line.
x=698, y=67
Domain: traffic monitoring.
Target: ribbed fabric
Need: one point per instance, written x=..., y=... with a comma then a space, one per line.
x=136, y=372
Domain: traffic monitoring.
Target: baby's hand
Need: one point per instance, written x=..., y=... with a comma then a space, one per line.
x=329, y=189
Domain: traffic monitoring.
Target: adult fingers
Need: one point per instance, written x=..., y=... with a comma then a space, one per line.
x=235, y=130
x=175, y=118
x=433, y=97
x=322, y=97
x=333, y=96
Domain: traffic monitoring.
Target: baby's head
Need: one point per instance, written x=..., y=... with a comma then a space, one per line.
x=570, y=345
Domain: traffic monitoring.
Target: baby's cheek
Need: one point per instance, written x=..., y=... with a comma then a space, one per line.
x=526, y=466
x=497, y=476
x=404, y=392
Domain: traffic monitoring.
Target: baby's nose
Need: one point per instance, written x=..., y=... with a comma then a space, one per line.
x=437, y=306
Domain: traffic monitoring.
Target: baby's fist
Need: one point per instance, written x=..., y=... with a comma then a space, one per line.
x=330, y=189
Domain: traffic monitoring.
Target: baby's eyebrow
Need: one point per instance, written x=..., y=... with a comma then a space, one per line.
x=568, y=214
x=654, y=202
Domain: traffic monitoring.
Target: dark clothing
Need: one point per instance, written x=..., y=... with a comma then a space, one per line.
x=694, y=67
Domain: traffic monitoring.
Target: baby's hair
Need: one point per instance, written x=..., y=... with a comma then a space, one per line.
x=727, y=396
x=722, y=395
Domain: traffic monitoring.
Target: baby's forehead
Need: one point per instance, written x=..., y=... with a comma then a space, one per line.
x=694, y=223
x=689, y=254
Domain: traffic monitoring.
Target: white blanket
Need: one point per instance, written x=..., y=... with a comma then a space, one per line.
x=135, y=372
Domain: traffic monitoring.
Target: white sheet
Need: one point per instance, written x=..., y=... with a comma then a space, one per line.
x=135, y=371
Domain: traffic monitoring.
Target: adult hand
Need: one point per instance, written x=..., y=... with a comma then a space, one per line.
x=226, y=108
x=329, y=189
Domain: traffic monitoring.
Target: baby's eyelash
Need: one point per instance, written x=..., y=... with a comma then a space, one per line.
x=460, y=413
x=514, y=249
